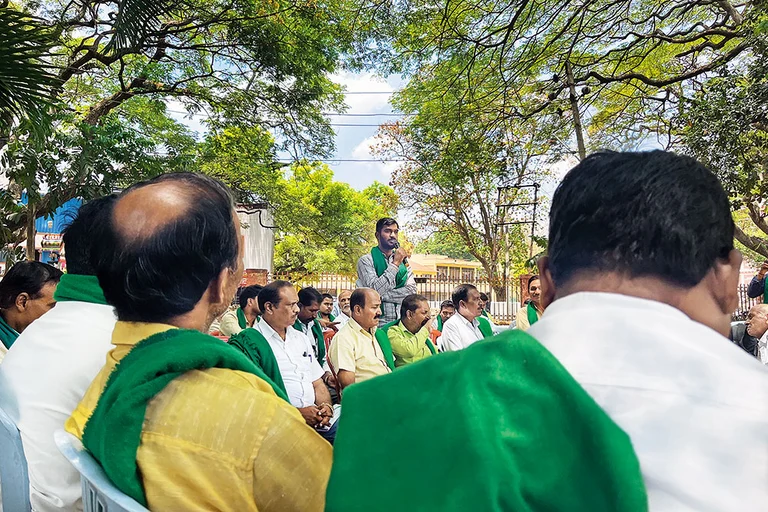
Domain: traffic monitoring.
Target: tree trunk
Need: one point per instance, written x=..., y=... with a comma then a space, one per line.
x=755, y=243
x=575, y=110
x=31, y=232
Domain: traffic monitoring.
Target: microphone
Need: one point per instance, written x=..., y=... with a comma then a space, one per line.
x=397, y=246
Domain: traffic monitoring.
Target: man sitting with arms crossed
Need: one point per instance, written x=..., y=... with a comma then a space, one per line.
x=355, y=353
x=639, y=286
x=246, y=315
x=299, y=368
x=467, y=325
x=409, y=337
x=308, y=324
x=178, y=419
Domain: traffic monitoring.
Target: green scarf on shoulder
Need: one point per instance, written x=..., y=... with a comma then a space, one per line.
x=533, y=315
x=256, y=348
x=382, y=337
x=765, y=290
x=508, y=438
x=75, y=287
x=380, y=263
x=439, y=323
x=113, y=432
x=7, y=333
x=485, y=327
x=241, y=320
x=317, y=332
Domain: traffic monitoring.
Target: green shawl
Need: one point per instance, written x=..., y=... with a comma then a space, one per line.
x=241, y=320
x=317, y=332
x=526, y=437
x=113, y=432
x=256, y=348
x=533, y=315
x=74, y=287
x=439, y=323
x=386, y=347
x=765, y=290
x=7, y=333
x=380, y=263
x=485, y=326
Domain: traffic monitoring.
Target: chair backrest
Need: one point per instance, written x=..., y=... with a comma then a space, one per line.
x=99, y=494
x=13, y=467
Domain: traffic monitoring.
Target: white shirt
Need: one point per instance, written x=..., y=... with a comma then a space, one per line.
x=42, y=379
x=297, y=363
x=762, y=348
x=694, y=404
x=459, y=333
x=342, y=319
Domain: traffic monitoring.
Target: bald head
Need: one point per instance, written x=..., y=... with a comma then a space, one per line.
x=166, y=242
x=757, y=320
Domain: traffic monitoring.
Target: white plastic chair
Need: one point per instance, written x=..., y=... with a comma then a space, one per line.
x=13, y=467
x=99, y=494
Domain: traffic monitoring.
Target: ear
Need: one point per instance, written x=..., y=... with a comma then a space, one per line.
x=21, y=301
x=725, y=281
x=217, y=290
x=548, y=290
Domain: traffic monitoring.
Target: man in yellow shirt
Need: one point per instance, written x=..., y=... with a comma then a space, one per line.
x=409, y=337
x=212, y=432
x=355, y=353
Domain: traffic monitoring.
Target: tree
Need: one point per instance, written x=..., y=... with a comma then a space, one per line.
x=245, y=64
x=325, y=225
x=447, y=243
x=725, y=125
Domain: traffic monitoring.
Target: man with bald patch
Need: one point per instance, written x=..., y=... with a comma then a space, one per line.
x=757, y=327
x=178, y=419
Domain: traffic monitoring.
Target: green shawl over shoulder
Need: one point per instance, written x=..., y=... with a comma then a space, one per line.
x=256, y=348
x=439, y=323
x=525, y=437
x=533, y=315
x=485, y=326
x=74, y=287
x=386, y=347
x=241, y=320
x=317, y=332
x=765, y=290
x=7, y=333
x=380, y=263
x=113, y=432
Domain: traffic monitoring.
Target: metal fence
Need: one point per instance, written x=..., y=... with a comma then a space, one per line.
x=437, y=289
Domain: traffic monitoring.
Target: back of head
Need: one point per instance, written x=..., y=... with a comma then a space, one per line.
x=461, y=293
x=411, y=303
x=309, y=295
x=249, y=292
x=447, y=304
x=358, y=298
x=78, y=236
x=26, y=277
x=484, y=296
x=166, y=240
x=653, y=214
x=271, y=293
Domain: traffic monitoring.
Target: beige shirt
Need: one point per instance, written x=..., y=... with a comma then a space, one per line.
x=356, y=350
x=229, y=324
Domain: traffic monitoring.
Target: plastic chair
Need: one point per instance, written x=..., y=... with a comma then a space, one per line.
x=99, y=494
x=13, y=467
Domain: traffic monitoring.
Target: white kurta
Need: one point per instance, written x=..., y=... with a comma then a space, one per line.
x=42, y=379
x=459, y=333
x=296, y=359
x=762, y=348
x=694, y=404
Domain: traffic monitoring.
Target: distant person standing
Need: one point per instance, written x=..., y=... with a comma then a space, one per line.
x=384, y=270
x=532, y=312
x=757, y=285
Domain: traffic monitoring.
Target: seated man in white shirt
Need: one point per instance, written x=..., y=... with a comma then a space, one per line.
x=464, y=328
x=757, y=327
x=51, y=365
x=639, y=286
x=309, y=325
x=345, y=312
x=299, y=368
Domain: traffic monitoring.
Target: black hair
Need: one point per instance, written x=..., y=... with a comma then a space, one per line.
x=531, y=280
x=78, y=238
x=447, y=304
x=461, y=292
x=309, y=295
x=327, y=296
x=26, y=277
x=484, y=296
x=358, y=298
x=410, y=303
x=271, y=293
x=643, y=214
x=249, y=292
x=386, y=221
x=164, y=274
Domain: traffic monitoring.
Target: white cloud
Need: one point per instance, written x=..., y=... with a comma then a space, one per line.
x=365, y=82
x=381, y=171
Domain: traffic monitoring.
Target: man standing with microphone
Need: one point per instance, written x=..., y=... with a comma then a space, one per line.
x=384, y=269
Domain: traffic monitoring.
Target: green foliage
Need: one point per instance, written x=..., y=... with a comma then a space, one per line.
x=325, y=225
x=446, y=243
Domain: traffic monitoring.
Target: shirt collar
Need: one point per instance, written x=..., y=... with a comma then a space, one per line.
x=269, y=332
x=474, y=323
x=131, y=333
x=358, y=328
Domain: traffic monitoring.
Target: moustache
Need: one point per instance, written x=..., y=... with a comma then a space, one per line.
x=377, y=316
